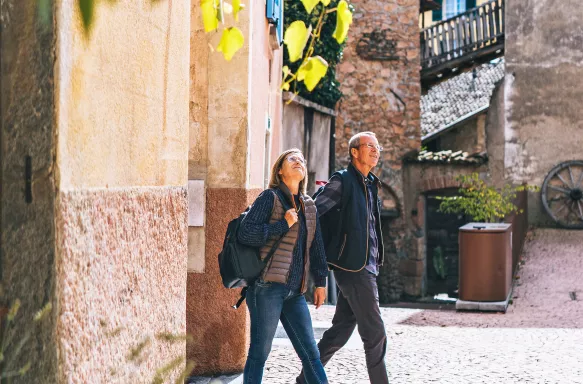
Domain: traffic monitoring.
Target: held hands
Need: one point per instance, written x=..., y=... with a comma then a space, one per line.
x=319, y=296
x=291, y=216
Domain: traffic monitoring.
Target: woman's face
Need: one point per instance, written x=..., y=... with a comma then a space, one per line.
x=293, y=167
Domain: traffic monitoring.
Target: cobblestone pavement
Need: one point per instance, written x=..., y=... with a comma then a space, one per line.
x=539, y=339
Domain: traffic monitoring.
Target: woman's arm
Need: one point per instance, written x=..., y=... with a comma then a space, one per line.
x=255, y=229
x=318, y=264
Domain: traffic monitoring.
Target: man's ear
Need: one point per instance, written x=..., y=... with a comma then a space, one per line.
x=354, y=152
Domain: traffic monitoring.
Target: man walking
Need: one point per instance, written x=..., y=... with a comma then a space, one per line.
x=349, y=211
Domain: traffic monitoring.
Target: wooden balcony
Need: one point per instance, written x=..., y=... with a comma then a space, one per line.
x=468, y=39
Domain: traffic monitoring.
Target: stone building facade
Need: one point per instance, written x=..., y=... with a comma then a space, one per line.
x=542, y=92
x=379, y=78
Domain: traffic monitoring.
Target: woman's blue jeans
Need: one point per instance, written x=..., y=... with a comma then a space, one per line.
x=269, y=302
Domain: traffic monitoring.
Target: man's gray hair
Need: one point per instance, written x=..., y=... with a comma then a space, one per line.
x=354, y=141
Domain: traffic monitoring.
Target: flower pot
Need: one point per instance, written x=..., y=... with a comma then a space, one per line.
x=485, y=261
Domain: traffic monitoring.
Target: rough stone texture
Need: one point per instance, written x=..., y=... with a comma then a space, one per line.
x=219, y=331
x=539, y=339
x=122, y=267
x=27, y=245
x=383, y=96
x=543, y=112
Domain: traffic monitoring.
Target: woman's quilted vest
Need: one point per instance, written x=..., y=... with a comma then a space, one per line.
x=278, y=268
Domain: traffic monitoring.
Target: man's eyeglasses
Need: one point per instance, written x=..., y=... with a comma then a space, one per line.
x=296, y=159
x=372, y=146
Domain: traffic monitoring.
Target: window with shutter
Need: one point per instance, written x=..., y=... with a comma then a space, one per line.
x=470, y=4
x=436, y=14
x=454, y=8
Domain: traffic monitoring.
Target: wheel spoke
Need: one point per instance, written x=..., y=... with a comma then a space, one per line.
x=562, y=207
x=580, y=210
x=563, y=180
x=580, y=178
x=563, y=190
x=571, y=176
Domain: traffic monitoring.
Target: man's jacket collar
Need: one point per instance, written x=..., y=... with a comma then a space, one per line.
x=361, y=177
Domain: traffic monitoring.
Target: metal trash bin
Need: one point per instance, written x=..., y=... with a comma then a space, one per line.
x=485, y=261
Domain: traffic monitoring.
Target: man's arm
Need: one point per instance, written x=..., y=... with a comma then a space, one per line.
x=331, y=196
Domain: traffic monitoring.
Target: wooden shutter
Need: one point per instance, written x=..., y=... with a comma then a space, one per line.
x=437, y=14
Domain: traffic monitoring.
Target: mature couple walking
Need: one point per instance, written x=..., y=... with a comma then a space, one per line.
x=340, y=229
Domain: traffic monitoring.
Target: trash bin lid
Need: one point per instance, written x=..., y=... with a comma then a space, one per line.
x=486, y=227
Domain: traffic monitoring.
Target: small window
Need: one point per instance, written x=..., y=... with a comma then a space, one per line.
x=454, y=8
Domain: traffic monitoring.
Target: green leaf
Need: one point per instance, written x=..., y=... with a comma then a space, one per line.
x=326, y=2
x=237, y=7
x=310, y=4
x=44, y=11
x=13, y=310
x=312, y=71
x=87, y=8
x=209, y=15
x=343, y=21
x=22, y=371
x=295, y=38
x=43, y=312
x=231, y=41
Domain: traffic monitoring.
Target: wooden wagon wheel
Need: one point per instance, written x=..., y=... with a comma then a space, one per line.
x=562, y=194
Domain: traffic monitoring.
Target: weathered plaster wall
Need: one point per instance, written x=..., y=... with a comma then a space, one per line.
x=229, y=106
x=122, y=267
x=543, y=90
x=495, y=141
x=316, y=144
x=27, y=244
x=122, y=94
x=122, y=112
x=383, y=96
x=462, y=138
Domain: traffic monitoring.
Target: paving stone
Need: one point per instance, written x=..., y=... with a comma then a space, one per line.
x=538, y=340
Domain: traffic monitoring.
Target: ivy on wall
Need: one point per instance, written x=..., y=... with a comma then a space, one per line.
x=327, y=92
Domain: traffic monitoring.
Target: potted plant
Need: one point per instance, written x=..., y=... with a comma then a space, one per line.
x=485, y=245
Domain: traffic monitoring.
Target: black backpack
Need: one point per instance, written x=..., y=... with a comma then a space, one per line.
x=239, y=264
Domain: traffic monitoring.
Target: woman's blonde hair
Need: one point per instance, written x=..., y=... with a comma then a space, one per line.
x=275, y=179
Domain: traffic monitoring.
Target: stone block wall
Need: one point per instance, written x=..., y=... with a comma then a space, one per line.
x=379, y=78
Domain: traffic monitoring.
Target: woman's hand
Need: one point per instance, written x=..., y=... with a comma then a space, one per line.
x=291, y=216
x=319, y=296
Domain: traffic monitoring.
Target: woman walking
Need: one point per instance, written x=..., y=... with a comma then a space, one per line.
x=284, y=210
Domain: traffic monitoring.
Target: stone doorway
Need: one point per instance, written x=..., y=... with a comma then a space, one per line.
x=442, y=262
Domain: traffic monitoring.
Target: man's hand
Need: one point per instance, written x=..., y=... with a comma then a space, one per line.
x=319, y=296
x=291, y=216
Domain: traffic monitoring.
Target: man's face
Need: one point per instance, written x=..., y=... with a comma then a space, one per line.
x=367, y=152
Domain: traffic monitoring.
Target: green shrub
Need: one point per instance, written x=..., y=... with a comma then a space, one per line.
x=482, y=202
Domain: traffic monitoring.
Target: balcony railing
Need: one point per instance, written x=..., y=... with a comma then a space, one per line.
x=474, y=34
